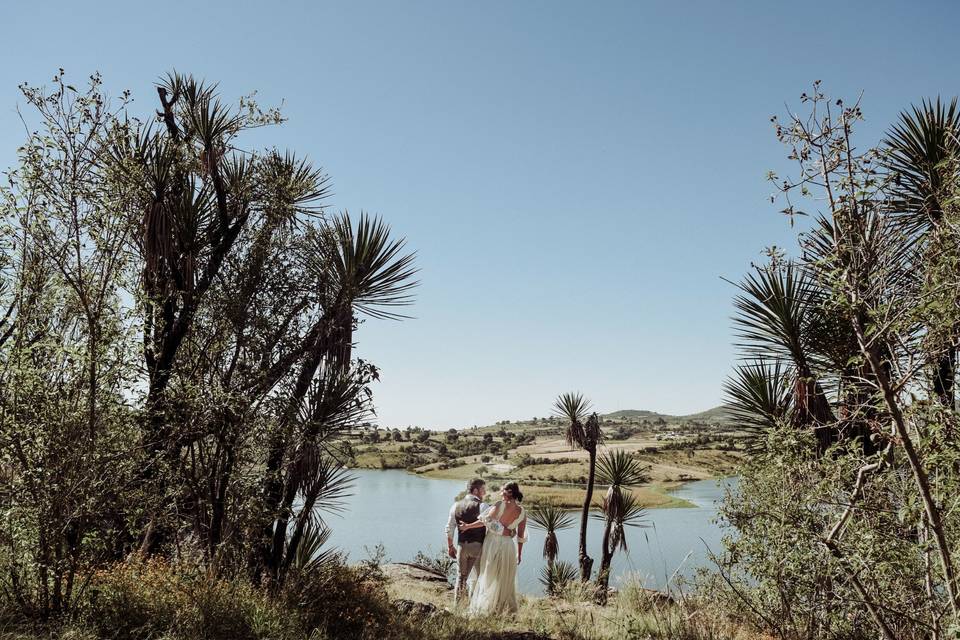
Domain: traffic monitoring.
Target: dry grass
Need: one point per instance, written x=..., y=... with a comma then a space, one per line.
x=634, y=612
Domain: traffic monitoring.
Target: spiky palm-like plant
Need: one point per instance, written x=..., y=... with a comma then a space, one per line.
x=776, y=314
x=582, y=432
x=920, y=149
x=362, y=270
x=556, y=577
x=923, y=154
x=309, y=554
x=621, y=472
x=551, y=519
x=366, y=271
x=759, y=397
x=324, y=485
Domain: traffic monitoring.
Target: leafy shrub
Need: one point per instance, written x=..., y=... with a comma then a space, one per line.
x=343, y=602
x=150, y=599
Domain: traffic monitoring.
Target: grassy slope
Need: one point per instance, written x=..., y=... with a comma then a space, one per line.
x=633, y=612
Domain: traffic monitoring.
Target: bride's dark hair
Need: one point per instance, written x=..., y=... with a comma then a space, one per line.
x=514, y=490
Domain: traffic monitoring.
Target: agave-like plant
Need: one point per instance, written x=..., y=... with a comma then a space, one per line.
x=370, y=267
x=324, y=485
x=551, y=518
x=621, y=471
x=555, y=577
x=365, y=271
x=582, y=432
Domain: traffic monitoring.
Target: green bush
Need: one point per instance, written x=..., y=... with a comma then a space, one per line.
x=343, y=602
x=154, y=599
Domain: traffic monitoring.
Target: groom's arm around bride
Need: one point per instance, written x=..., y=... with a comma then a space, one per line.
x=469, y=544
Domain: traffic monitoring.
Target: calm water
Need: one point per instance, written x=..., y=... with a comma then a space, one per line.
x=407, y=513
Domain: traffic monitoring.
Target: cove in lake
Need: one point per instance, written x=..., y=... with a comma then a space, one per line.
x=407, y=513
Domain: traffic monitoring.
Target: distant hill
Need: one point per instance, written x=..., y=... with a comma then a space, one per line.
x=717, y=415
x=637, y=413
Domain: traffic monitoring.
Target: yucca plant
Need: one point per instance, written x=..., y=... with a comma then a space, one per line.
x=759, y=397
x=621, y=471
x=555, y=577
x=324, y=485
x=920, y=147
x=363, y=269
x=309, y=554
x=923, y=155
x=584, y=433
x=775, y=314
x=551, y=518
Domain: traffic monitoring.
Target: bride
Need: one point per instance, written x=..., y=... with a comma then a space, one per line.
x=496, y=588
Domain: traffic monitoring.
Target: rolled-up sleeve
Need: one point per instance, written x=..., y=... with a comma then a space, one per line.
x=451, y=522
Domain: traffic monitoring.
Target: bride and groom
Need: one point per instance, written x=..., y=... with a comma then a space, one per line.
x=490, y=545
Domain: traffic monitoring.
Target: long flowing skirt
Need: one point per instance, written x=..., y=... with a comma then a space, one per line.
x=496, y=588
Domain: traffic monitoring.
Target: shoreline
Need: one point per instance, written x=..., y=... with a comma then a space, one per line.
x=652, y=495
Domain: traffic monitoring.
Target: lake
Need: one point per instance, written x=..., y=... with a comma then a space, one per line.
x=407, y=513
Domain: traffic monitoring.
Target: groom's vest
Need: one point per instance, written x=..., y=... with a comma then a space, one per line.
x=467, y=511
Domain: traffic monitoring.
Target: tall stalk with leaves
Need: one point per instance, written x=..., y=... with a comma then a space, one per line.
x=621, y=472
x=583, y=432
x=367, y=272
x=550, y=518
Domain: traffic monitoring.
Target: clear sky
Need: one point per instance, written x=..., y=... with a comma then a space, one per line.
x=576, y=177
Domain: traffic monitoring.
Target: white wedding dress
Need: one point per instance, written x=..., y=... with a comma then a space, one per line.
x=496, y=588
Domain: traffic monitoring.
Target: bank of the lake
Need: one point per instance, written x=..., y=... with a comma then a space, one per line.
x=406, y=513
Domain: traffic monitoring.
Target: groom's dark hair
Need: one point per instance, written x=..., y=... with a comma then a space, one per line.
x=475, y=484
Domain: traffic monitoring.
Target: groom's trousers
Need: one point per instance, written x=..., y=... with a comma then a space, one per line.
x=468, y=559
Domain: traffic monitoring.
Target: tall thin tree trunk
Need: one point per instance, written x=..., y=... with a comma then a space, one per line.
x=586, y=562
x=603, y=576
x=931, y=509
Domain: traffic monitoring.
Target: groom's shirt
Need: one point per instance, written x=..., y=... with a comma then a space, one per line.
x=451, y=527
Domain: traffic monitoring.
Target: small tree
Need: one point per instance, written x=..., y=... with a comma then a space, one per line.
x=550, y=518
x=621, y=472
x=582, y=432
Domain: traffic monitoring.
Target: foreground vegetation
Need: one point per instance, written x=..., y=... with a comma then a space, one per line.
x=846, y=519
x=157, y=599
x=178, y=316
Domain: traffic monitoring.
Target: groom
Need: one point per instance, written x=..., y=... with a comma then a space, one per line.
x=470, y=542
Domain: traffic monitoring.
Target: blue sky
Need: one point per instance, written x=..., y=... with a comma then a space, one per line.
x=576, y=177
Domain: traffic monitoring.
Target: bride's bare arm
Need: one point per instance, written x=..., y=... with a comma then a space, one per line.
x=521, y=538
